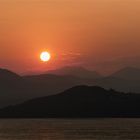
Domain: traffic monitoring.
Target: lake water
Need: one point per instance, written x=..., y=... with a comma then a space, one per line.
x=67, y=129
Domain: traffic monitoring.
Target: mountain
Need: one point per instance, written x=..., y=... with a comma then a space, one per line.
x=126, y=80
x=76, y=71
x=15, y=89
x=9, y=78
x=128, y=73
x=79, y=101
x=48, y=84
x=118, y=84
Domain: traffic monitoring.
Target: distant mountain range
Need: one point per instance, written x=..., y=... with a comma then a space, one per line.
x=128, y=73
x=126, y=80
x=7, y=77
x=79, y=102
x=15, y=89
x=76, y=71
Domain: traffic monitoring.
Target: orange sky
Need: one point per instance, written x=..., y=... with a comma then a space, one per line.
x=100, y=34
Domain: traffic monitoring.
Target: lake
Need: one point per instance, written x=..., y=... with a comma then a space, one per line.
x=68, y=129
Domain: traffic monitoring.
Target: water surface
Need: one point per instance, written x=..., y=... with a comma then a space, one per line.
x=67, y=129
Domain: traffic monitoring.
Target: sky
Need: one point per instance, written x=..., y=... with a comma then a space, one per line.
x=102, y=35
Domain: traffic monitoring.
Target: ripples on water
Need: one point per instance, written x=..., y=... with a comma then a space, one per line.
x=59, y=129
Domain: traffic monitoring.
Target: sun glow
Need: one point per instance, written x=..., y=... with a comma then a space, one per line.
x=45, y=56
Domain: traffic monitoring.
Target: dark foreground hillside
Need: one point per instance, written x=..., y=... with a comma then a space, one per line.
x=80, y=101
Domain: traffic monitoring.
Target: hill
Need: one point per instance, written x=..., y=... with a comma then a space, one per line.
x=76, y=71
x=15, y=89
x=126, y=80
x=49, y=84
x=79, y=101
x=128, y=73
x=9, y=78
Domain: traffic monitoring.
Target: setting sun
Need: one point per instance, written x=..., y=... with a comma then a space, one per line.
x=45, y=56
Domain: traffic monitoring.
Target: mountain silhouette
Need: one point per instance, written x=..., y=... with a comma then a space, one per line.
x=79, y=101
x=126, y=80
x=9, y=78
x=13, y=88
x=16, y=89
x=48, y=84
x=76, y=71
x=128, y=73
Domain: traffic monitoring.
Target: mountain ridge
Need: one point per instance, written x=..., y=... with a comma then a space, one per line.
x=80, y=72
x=78, y=102
x=15, y=88
x=128, y=73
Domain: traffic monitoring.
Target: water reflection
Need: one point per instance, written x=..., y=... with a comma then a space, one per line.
x=58, y=129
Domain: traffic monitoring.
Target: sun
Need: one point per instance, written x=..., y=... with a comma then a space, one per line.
x=45, y=56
